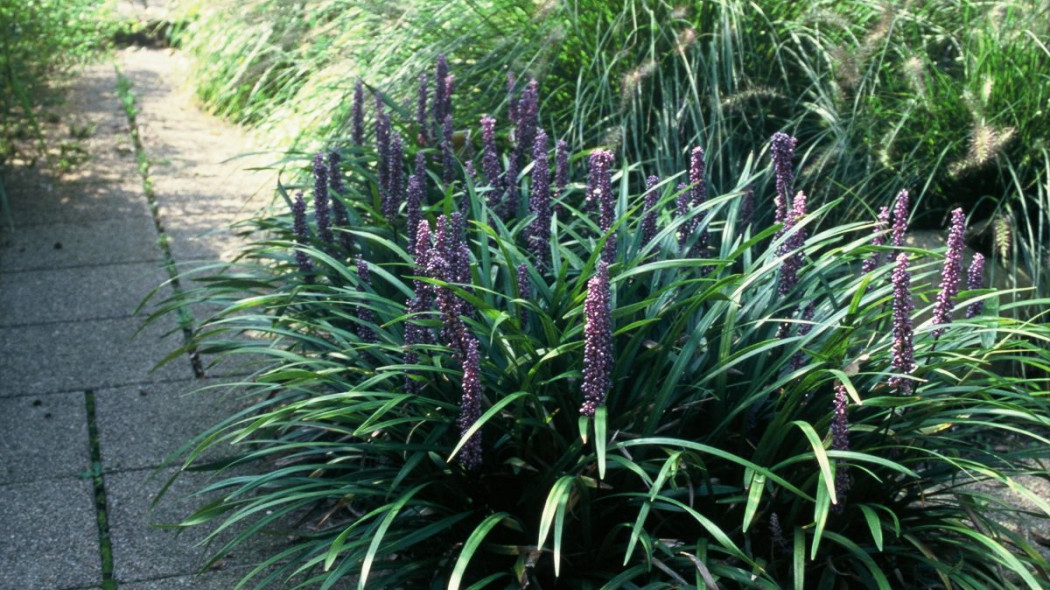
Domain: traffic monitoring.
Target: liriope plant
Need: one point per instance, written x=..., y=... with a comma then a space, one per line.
x=524, y=363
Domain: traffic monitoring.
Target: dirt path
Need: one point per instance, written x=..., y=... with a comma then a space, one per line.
x=84, y=422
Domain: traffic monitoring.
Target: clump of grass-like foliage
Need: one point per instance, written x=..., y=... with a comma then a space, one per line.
x=493, y=366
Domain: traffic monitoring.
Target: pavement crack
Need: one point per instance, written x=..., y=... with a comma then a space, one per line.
x=185, y=318
x=101, y=507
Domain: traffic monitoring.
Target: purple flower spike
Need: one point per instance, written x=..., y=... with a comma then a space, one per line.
x=335, y=178
x=601, y=173
x=324, y=220
x=419, y=304
x=528, y=120
x=878, y=239
x=951, y=272
x=539, y=235
x=681, y=210
x=698, y=196
x=395, y=193
x=441, y=108
x=413, y=209
x=697, y=180
x=421, y=111
x=776, y=532
x=448, y=158
x=974, y=281
x=649, y=219
x=357, y=116
x=302, y=236
x=793, y=245
x=804, y=329
x=747, y=210
x=903, y=361
x=365, y=314
x=490, y=165
x=446, y=261
x=900, y=218
x=422, y=291
x=561, y=170
x=382, y=151
x=783, y=150
x=470, y=405
x=840, y=442
x=340, y=216
x=597, y=337
x=524, y=288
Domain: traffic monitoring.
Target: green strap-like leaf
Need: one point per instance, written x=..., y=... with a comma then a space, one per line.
x=472, y=544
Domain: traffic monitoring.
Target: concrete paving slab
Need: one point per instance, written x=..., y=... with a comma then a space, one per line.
x=141, y=426
x=47, y=202
x=43, y=437
x=86, y=355
x=49, y=535
x=84, y=293
x=202, y=238
x=144, y=551
x=221, y=579
x=65, y=245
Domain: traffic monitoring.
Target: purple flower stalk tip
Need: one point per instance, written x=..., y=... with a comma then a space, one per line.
x=776, y=532
x=877, y=239
x=441, y=107
x=395, y=192
x=413, y=209
x=747, y=210
x=539, y=235
x=340, y=217
x=527, y=113
x=974, y=281
x=524, y=288
x=903, y=362
x=490, y=165
x=357, y=114
x=782, y=147
x=951, y=272
x=900, y=218
x=365, y=314
x=448, y=158
x=302, y=236
x=697, y=197
x=600, y=192
x=804, y=328
x=681, y=210
x=324, y=221
x=597, y=347
x=470, y=405
x=649, y=218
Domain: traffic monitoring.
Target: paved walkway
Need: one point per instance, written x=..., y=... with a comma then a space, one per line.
x=84, y=422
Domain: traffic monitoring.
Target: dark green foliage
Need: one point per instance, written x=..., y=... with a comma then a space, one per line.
x=718, y=418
